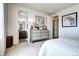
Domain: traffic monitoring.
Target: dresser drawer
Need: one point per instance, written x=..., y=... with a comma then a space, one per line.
x=44, y=31
x=38, y=34
x=36, y=38
x=44, y=37
x=36, y=31
x=44, y=34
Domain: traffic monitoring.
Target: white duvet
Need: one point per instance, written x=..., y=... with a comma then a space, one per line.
x=60, y=47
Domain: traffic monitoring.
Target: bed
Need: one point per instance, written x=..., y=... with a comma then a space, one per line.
x=60, y=47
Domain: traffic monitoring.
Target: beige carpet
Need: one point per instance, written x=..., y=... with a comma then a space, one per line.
x=24, y=49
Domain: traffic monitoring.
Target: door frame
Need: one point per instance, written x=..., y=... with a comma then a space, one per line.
x=57, y=26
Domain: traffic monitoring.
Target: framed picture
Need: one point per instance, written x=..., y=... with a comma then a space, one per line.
x=69, y=20
x=39, y=20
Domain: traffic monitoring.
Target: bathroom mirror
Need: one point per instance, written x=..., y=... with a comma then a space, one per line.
x=23, y=21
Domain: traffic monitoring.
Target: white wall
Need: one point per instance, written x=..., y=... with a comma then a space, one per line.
x=2, y=37
x=13, y=23
x=6, y=19
x=68, y=32
x=13, y=19
x=49, y=26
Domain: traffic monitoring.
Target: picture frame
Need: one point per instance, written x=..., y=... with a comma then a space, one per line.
x=69, y=20
x=39, y=20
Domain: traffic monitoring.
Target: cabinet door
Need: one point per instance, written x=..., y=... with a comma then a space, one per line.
x=9, y=41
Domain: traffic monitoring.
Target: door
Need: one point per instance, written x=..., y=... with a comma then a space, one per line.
x=55, y=27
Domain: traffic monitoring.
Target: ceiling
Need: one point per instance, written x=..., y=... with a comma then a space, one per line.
x=49, y=8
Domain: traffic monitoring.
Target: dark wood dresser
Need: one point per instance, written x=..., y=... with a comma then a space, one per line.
x=9, y=41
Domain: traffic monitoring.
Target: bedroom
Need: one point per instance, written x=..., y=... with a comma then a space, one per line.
x=31, y=11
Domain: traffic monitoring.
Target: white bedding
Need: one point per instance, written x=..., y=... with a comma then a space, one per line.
x=60, y=47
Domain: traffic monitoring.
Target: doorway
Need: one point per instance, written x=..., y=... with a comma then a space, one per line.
x=56, y=27
x=23, y=26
